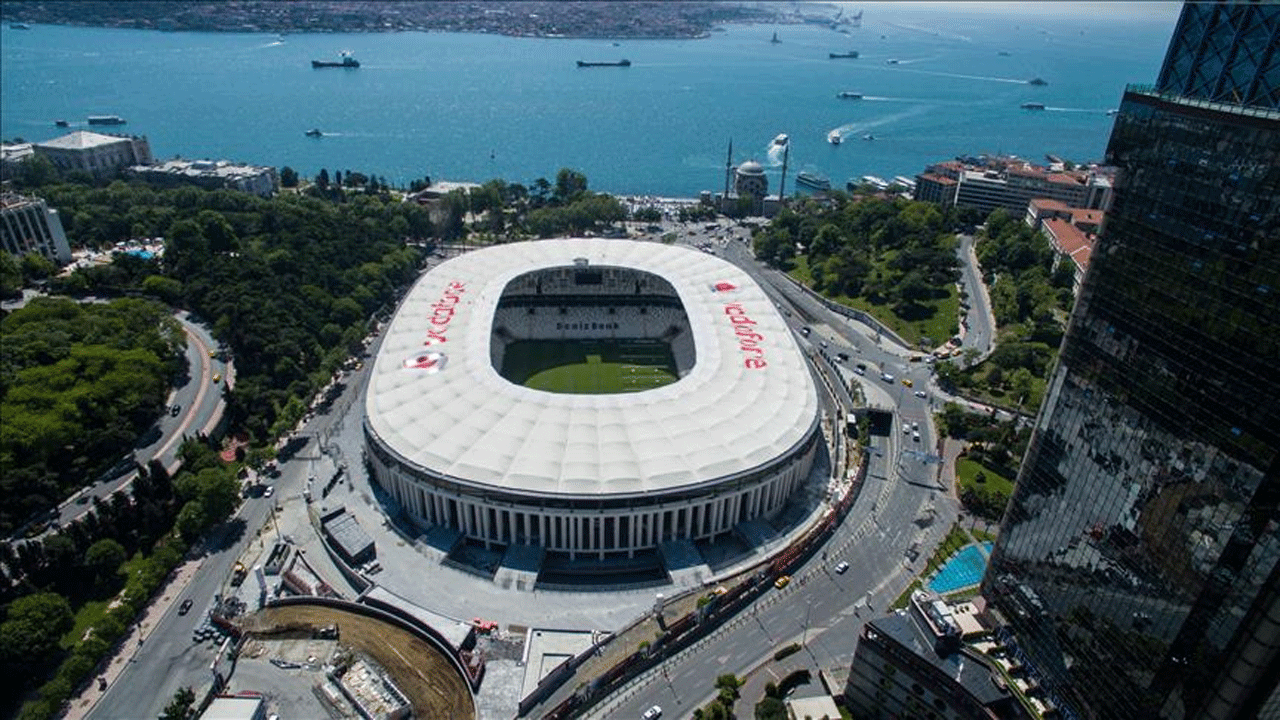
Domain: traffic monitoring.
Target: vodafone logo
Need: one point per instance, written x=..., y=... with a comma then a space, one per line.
x=428, y=362
x=750, y=342
x=723, y=286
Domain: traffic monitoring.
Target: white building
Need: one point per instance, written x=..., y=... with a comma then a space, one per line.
x=213, y=174
x=28, y=225
x=459, y=446
x=98, y=154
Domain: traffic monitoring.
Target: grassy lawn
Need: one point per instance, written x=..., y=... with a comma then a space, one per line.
x=938, y=321
x=589, y=366
x=87, y=616
x=967, y=474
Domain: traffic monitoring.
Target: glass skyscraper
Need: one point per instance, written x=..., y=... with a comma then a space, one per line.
x=1139, y=563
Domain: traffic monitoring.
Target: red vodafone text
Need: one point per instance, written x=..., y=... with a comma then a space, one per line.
x=750, y=342
x=442, y=313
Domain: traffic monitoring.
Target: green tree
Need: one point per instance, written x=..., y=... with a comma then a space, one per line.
x=29, y=634
x=179, y=708
x=288, y=177
x=104, y=558
x=570, y=185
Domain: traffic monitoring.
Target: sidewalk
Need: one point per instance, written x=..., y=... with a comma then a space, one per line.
x=133, y=640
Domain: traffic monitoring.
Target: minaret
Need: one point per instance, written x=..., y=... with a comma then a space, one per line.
x=728, y=171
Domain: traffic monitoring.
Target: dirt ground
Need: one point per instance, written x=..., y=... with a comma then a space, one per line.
x=429, y=680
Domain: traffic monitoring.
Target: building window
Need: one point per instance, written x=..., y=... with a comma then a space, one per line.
x=915, y=688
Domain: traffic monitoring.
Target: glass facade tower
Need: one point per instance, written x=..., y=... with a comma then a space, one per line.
x=1139, y=563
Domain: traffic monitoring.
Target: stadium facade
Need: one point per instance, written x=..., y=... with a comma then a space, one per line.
x=458, y=445
x=1139, y=561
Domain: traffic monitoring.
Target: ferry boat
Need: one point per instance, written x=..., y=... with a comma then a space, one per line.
x=621, y=63
x=347, y=62
x=833, y=137
x=106, y=120
x=852, y=55
x=781, y=140
x=1032, y=106
x=61, y=123
x=314, y=132
x=1037, y=81
x=849, y=95
x=813, y=182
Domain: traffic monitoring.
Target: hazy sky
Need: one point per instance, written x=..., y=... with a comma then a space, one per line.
x=1157, y=12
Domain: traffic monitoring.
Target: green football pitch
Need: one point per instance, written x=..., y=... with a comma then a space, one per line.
x=589, y=367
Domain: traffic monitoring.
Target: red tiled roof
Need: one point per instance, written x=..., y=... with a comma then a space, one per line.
x=1049, y=204
x=940, y=179
x=1067, y=238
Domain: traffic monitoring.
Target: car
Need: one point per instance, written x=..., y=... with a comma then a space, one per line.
x=907, y=382
x=823, y=343
x=652, y=713
x=175, y=410
x=782, y=582
x=185, y=607
x=213, y=353
x=906, y=428
x=915, y=436
x=886, y=377
x=842, y=356
x=842, y=567
x=268, y=491
x=860, y=371
x=915, y=427
x=921, y=394
x=217, y=377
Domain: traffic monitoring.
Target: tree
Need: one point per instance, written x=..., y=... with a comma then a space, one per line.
x=570, y=185
x=179, y=708
x=29, y=635
x=288, y=177
x=322, y=180
x=104, y=558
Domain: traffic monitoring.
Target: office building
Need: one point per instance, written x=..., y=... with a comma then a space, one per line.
x=1139, y=563
x=29, y=225
x=988, y=183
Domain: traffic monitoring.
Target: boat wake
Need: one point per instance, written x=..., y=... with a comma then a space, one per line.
x=988, y=78
x=774, y=153
x=276, y=43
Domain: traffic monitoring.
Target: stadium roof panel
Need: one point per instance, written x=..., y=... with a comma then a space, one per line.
x=454, y=416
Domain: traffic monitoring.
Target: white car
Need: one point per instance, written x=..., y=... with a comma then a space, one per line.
x=906, y=428
x=921, y=394
x=842, y=567
x=268, y=491
x=652, y=713
x=886, y=377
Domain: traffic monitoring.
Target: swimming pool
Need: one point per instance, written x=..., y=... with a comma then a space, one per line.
x=962, y=570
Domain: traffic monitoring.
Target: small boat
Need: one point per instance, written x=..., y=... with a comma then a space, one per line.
x=347, y=62
x=781, y=140
x=1003, y=53
x=851, y=55
x=61, y=123
x=106, y=120
x=891, y=61
x=1032, y=106
x=775, y=39
x=868, y=136
x=833, y=137
x=812, y=181
x=1113, y=111
x=1037, y=81
x=849, y=95
x=19, y=26
x=314, y=132
x=621, y=63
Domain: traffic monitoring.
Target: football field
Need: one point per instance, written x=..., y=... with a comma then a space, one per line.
x=589, y=367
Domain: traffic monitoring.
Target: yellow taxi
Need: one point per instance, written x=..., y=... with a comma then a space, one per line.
x=782, y=582
x=907, y=382
x=217, y=378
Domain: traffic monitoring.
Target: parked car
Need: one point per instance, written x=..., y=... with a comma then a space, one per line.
x=652, y=713
x=842, y=567
x=782, y=582
x=185, y=607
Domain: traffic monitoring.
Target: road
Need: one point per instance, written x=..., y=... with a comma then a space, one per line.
x=198, y=399
x=901, y=509
x=979, y=323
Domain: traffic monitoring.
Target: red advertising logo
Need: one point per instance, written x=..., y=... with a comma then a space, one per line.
x=442, y=313
x=750, y=342
x=432, y=362
x=723, y=286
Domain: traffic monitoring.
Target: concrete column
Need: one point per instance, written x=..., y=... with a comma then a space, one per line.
x=662, y=517
x=484, y=524
x=633, y=520
x=617, y=532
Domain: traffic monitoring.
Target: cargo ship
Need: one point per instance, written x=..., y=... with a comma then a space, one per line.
x=621, y=63
x=852, y=55
x=106, y=120
x=347, y=62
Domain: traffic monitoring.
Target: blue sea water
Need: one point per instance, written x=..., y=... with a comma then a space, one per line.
x=473, y=106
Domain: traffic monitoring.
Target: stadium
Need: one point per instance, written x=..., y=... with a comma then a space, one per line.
x=589, y=398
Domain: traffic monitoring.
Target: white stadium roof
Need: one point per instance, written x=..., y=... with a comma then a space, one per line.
x=460, y=420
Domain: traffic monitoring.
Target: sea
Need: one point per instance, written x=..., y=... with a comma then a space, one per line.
x=938, y=80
